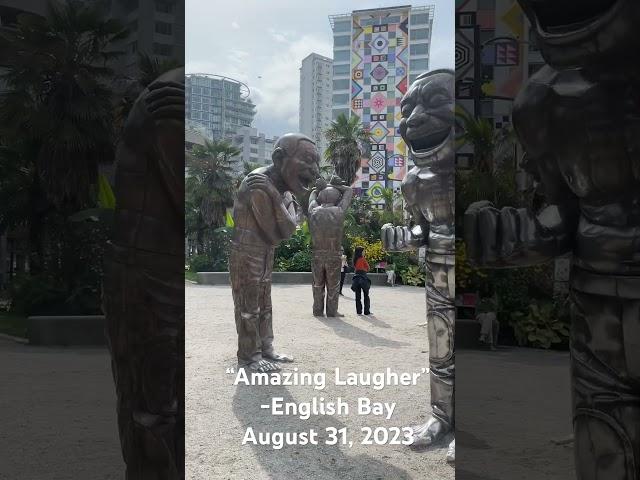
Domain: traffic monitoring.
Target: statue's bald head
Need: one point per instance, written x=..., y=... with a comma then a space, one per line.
x=298, y=161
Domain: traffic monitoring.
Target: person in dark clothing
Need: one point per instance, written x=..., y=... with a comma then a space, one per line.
x=361, y=282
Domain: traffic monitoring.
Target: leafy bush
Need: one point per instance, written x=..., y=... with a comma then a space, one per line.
x=299, y=262
x=200, y=263
x=467, y=276
x=414, y=276
x=544, y=324
x=45, y=295
x=373, y=251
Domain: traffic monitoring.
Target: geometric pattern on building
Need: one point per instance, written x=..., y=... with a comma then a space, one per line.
x=380, y=67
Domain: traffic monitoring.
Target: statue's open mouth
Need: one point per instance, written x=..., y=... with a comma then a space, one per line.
x=423, y=143
x=565, y=17
x=307, y=181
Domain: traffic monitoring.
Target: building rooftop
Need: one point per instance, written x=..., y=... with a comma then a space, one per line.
x=344, y=16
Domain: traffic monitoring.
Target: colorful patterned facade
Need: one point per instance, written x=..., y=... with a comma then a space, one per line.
x=380, y=73
x=380, y=70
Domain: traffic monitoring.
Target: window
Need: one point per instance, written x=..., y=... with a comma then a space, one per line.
x=421, y=64
x=341, y=69
x=164, y=28
x=164, y=7
x=342, y=41
x=341, y=56
x=340, y=111
x=419, y=34
x=419, y=49
x=340, y=98
x=162, y=49
x=254, y=141
x=420, y=18
x=342, y=26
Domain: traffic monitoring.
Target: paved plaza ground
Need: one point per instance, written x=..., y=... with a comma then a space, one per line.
x=57, y=414
x=513, y=415
x=58, y=421
x=218, y=413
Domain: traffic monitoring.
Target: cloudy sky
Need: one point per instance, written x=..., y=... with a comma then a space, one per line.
x=262, y=43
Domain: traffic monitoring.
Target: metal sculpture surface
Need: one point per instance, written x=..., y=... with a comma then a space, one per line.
x=144, y=283
x=427, y=126
x=265, y=213
x=328, y=204
x=577, y=119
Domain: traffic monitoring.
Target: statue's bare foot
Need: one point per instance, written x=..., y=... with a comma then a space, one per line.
x=263, y=366
x=335, y=315
x=451, y=452
x=431, y=432
x=278, y=357
x=316, y=314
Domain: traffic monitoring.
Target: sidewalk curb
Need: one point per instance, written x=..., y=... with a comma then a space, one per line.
x=22, y=340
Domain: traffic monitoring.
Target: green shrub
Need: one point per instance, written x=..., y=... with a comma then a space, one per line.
x=200, y=263
x=544, y=324
x=45, y=295
x=414, y=276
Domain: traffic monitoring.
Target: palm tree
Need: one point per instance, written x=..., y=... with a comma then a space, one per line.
x=346, y=135
x=59, y=98
x=209, y=187
x=479, y=132
x=151, y=68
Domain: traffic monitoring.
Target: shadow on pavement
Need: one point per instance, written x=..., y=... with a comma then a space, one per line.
x=322, y=462
x=353, y=333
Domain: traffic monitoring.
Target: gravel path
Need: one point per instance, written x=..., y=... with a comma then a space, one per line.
x=218, y=413
x=57, y=414
x=513, y=416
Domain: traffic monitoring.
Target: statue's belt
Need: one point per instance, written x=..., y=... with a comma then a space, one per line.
x=620, y=286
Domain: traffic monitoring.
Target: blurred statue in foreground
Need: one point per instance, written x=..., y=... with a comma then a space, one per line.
x=328, y=206
x=144, y=283
x=265, y=213
x=427, y=126
x=577, y=119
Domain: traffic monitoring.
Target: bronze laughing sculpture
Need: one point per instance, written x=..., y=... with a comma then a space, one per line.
x=144, y=283
x=427, y=126
x=328, y=206
x=578, y=120
x=265, y=213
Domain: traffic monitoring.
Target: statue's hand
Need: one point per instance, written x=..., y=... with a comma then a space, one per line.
x=259, y=181
x=397, y=239
x=491, y=235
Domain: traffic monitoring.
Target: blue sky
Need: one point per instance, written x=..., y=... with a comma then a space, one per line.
x=262, y=42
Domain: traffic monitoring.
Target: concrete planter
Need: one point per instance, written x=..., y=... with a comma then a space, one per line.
x=295, y=278
x=72, y=330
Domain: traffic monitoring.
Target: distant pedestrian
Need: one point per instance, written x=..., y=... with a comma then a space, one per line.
x=343, y=270
x=489, y=325
x=361, y=282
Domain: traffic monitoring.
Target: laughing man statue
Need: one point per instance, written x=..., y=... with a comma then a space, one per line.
x=427, y=126
x=265, y=213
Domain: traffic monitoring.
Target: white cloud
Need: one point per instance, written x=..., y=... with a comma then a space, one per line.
x=278, y=93
x=235, y=25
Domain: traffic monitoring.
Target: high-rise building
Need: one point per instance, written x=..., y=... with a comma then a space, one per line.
x=315, y=98
x=157, y=29
x=219, y=103
x=377, y=53
x=256, y=146
x=497, y=34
